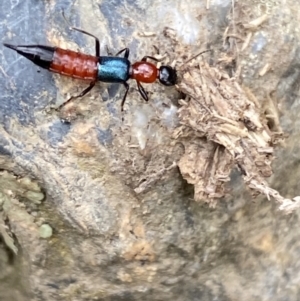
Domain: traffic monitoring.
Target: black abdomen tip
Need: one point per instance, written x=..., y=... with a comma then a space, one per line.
x=39, y=54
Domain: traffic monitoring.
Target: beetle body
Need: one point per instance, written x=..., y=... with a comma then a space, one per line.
x=109, y=69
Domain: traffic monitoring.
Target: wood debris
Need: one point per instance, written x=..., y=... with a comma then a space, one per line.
x=223, y=128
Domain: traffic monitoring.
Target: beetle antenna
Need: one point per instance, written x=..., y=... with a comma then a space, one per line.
x=193, y=57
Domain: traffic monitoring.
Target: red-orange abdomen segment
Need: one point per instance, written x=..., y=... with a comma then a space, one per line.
x=74, y=64
x=144, y=72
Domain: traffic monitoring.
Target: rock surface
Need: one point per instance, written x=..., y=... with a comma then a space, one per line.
x=125, y=223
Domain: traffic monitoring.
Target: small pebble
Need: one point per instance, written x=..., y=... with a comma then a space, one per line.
x=45, y=231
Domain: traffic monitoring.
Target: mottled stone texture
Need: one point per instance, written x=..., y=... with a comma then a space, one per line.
x=124, y=222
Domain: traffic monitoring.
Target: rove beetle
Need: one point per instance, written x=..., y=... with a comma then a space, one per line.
x=110, y=69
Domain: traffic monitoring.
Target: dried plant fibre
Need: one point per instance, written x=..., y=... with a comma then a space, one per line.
x=222, y=127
